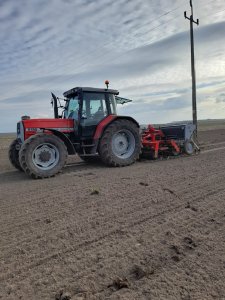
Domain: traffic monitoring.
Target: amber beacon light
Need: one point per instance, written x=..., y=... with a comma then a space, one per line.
x=107, y=84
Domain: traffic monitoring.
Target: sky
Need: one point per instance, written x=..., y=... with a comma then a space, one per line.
x=141, y=46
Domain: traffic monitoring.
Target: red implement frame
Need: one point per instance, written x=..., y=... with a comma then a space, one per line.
x=154, y=142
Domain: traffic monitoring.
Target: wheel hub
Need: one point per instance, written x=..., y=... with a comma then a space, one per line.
x=123, y=144
x=120, y=144
x=189, y=147
x=45, y=156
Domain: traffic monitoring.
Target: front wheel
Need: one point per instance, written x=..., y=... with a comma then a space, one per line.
x=14, y=154
x=43, y=155
x=120, y=144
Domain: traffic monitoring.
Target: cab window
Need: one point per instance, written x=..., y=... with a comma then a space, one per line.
x=94, y=107
x=72, y=109
x=112, y=103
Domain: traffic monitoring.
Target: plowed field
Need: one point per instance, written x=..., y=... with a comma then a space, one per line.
x=154, y=230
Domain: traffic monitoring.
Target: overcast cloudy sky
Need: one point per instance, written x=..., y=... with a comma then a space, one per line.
x=141, y=46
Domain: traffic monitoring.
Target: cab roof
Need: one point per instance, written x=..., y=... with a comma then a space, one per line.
x=89, y=89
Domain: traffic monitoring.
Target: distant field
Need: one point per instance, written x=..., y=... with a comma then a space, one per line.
x=152, y=230
x=6, y=139
x=7, y=135
x=211, y=124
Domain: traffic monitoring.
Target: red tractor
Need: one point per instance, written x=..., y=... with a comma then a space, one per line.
x=89, y=126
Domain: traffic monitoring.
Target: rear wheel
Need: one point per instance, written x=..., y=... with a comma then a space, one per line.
x=43, y=155
x=14, y=154
x=120, y=144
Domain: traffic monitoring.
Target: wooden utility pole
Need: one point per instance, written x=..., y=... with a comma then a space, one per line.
x=194, y=105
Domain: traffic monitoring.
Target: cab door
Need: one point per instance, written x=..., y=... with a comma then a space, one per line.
x=94, y=110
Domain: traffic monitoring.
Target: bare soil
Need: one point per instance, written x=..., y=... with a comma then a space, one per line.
x=154, y=230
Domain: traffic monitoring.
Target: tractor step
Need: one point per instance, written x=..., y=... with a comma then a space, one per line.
x=87, y=145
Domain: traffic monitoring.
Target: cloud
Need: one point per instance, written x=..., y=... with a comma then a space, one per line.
x=220, y=98
x=28, y=98
x=82, y=43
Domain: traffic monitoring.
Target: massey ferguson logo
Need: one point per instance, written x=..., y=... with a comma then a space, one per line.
x=41, y=130
x=34, y=129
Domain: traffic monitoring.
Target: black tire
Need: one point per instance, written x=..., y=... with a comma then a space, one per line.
x=41, y=149
x=106, y=151
x=14, y=155
x=189, y=147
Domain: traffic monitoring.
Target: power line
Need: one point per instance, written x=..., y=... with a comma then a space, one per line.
x=137, y=28
x=160, y=16
x=153, y=28
x=107, y=44
x=111, y=43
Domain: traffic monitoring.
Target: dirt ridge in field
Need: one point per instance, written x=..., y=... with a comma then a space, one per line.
x=151, y=231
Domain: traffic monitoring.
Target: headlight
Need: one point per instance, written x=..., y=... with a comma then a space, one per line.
x=18, y=128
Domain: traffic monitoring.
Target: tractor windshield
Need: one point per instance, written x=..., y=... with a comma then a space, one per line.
x=72, y=108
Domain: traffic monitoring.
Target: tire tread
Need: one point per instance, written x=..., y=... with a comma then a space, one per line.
x=26, y=164
x=105, y=149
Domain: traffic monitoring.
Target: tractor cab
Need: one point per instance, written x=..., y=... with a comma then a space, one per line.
x=88, y=107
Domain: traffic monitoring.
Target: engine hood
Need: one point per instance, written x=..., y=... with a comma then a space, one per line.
x=33, y=126
x=57, y=124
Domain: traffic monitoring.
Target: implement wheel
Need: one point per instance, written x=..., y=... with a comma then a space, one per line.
x=14, y=154
x=120, y=144
x=189, y=147
x=43, y=155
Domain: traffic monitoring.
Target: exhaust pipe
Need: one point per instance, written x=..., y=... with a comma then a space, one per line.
x=55, y=105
